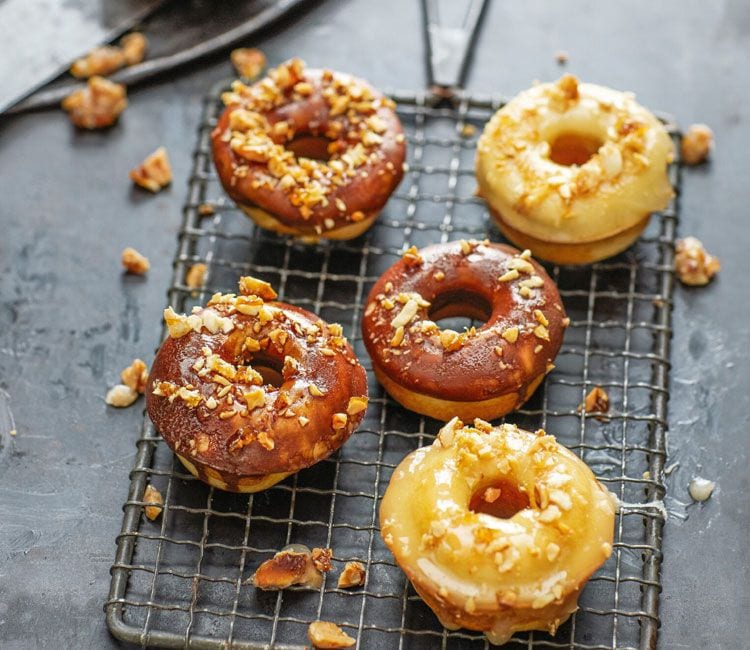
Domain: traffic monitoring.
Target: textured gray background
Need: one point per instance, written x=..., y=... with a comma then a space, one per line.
x=69, y=320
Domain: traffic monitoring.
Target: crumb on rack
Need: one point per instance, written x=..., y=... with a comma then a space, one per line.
x=353, y=575
x=135, y=376
x=196, y=275
x=323, y=634
x=694, y=265
x=96, y=106
x=597, y=401
x=293, y=565
x=154, y=173
x=468, y=130
x=321, y=558
x=134, y=262
x=248, y=61
x=206, y=210
x=697, y=143
x=121, y=396
x=153, y=497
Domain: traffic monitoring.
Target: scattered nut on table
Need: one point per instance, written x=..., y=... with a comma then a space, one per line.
x=694, y=265
x=106, y=59
x=135, y=376
x=153, y=496
x=154, y=173
x=134, y=262
x=700, y=488
x=562, y=57
x=248, y=61
x=134, y=46
x=96, y=106
x=597, y=401
x=292, y=565
x=353, y=575
x=697, y=143
x=323, y=634
x=121, y=396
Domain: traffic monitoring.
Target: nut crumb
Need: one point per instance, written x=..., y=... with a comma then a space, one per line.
x=248, y=61
x=102, y=61
x=195, y=276
x=323, y=634
x=467, y=130
x=292, y=565
x=562, y=57
x=134, y=46
x=206, y=210
x=135, y=376
x=597, y=401
x=154, y=173
x=121, y=396
x=694, y=265
x=412, y=257
x=96, y=106
x=321, y=558
x=697, y=143
x=134, y=262
x=152, y=495
x=353, y=575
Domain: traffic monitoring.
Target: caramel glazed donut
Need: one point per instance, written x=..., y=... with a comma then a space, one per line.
x=247, y=392
x=481, y=372
x=310, y=153
x=498, y=529
x=573, y=171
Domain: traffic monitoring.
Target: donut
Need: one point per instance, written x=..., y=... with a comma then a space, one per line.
x=573, y=171
x=484, y=371
x=497, y=528
x=247, y=391
x=310, y=153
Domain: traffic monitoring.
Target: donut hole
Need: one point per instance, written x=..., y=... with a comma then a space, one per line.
x=500, y=499
x=269, y=368
x=459, y=309
x=570, y=148
x=307, y=145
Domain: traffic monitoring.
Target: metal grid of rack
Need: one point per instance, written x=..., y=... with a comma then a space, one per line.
x=180, y=581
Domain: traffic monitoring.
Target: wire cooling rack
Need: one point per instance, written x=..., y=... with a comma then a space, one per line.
x=180, y=581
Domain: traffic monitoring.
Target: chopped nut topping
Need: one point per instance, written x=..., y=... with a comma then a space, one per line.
x=353, y=575
x=266, y=441
x=96, y=106
x=290, y=566
x=195, y=276
x=134, y=46
x=450, y=340
x=406, y=315
x=134, y=262
x=250, y=286
x=597, y=400
x=321, y=558
x=356, y=405
x=152, y=496
x=412, y=257
x=154, y=173
x=509, y=275
x=439, y=276
x=520, y=264
x=248, y=61
x=254, y=397
x=568, y=84
x=540, y=317
x=315, y=391
x=696, y=144
x=694, y=265
x=541, y=332
x=358, y=215
x=121, y=396
x=323, y=634
x=466, y=247
x=398, y=337
x=135, y=376
x=339, y=421
x=510, y=335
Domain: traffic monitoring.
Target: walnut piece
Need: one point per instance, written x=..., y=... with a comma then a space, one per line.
x=694, y=265
x=248, y=61
x=597, y=401
x=153, y=496
x=134, y=47
x=100, y=61
x=562, y=57
x=155, y=172
x=120, y=396
x=321, y=558
x=96, y=106
x=195, y=276
x=135, y=376
x=353, y=575
x=323, y=634
x=134, y=262
x=696, y=144
x=292, y=565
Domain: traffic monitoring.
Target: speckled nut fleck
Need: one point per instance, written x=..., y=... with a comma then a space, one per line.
x=248, y=390
x=310, y=153
x=498, y=529
x=482, y=372
x=573, y=171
